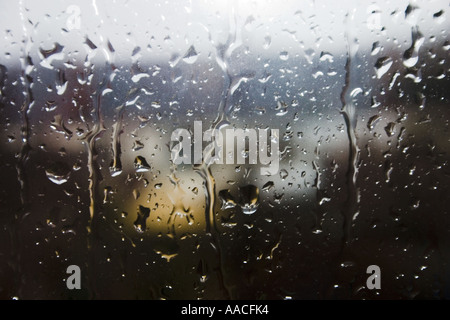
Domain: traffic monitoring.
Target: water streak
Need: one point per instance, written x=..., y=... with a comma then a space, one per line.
x=231, y=83
x=26, y=78
x=350, y=206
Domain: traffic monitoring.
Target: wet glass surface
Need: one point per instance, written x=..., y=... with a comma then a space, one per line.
x=91, y=93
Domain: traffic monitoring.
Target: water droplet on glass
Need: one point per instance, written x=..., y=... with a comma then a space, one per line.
x=390, y=129
x=373, y=121
x=227, y=199
x=137, y=77
x=284, y=55
x=326, y=56
x=411, y=55
x=190, y=56
x=439, y=16
x=50, y=106
x=382, y=66
x=141, y=165
x=376, y=48
x=267, y=42
x=58, y=173
x=249, y=199
x=140, y=223
x=281, y=108
x=412, y=14
x=268, y=186
x=137, y=145
x=156, y=104
x=107, y=191
x=283, y=174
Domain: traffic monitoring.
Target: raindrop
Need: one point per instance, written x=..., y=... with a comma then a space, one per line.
x=309, y=55
x=374, y=103
x=50, y=106
x=139, y=76
x=141, y=165
x=411, y=14
x=60, y=89
x=376, y=48
x=373, y=121
x=248, y=22
x=167, y=248
x=115, y=170
x=439, y=16
x=202, y=270
x=382, y=66
x=411, y=55
x=107, y=191
x=136, y=50
x=173, y=61
x=326, y=56
x=48, y=55
x=58, y=173
x=267, y=42
x=324, y=200
x=110, y=47
x=281, y=108
x=394, y=78
x=388, y=170
x=227, y=199
x=137, y=145
x=190, y=56
x=415, y=204
x=156, y=104
x=249, y=199
x=266, y=76
x=140, y=223
x=277, y=197
x=284, y=55
x=390, y=129
x=259, y=110
x=283, y=174
x=268, y=186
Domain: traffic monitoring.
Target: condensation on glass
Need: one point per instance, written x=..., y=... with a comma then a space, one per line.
x=91, y=92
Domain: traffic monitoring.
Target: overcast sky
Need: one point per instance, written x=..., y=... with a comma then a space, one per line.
x=162, y=29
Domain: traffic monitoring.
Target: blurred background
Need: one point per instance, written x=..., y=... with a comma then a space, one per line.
x=90, y=93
